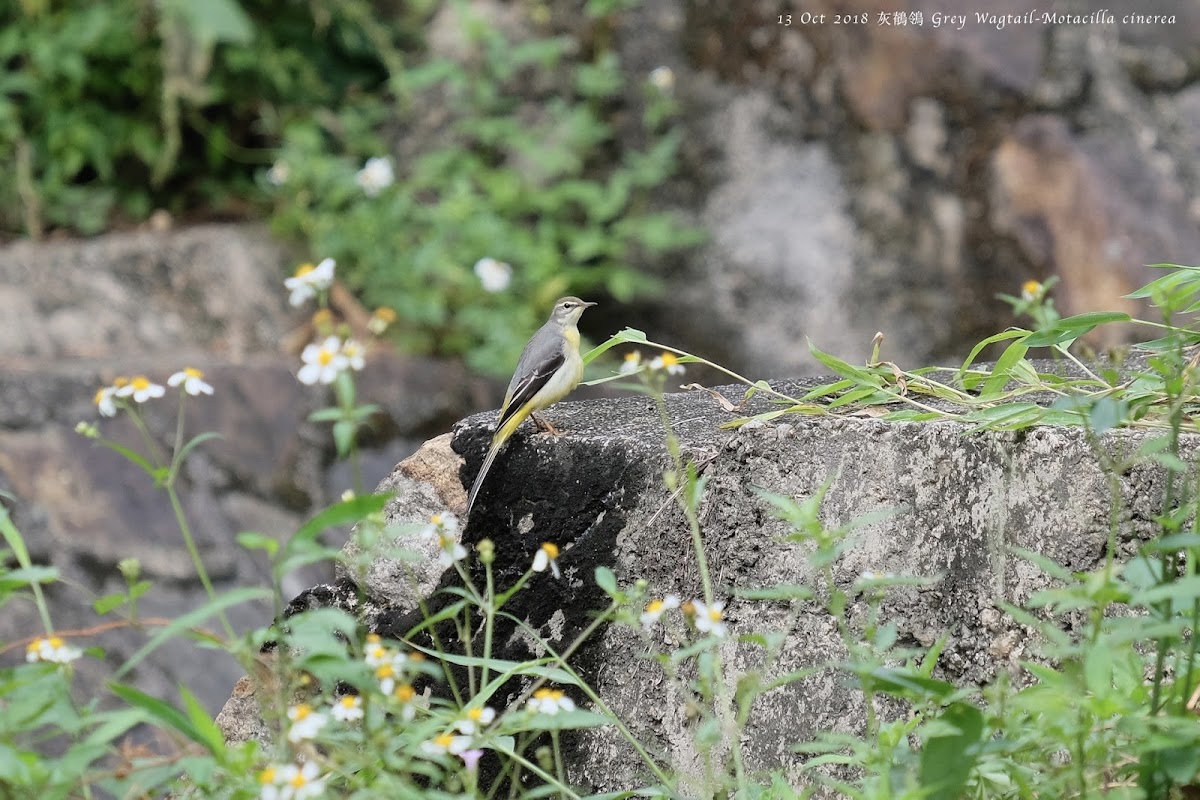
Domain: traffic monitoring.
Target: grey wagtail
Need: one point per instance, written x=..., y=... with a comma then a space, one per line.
x=550, y=367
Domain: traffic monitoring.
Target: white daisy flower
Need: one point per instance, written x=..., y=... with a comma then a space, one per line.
x=51, y=649
x=710, y=619
x=375, y=176
x=348, y=708
x=494, y=275
x=192, y=380
x=547, y=556
x=141, y=389
x=656, y=608
x=475, y=719
x=322, y=362
x=550, y=701
x=306, y=723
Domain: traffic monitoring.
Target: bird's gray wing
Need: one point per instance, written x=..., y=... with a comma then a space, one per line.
x=541, y=358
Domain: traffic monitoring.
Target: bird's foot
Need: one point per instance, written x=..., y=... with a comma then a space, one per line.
x=544, y=426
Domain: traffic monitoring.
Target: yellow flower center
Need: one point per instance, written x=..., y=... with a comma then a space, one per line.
x=1031, y=287
x=385, y=671
x=267, y=776
x=100, y=395
x=192, y=372
x=55, y=642
x=304, y=269
x=633, y=357
x=669, y=359
x=374, y=637
x=120, y=381
x=714, y=615
x=405, y=693
x=475, y=714
x=298, y=780
x=436, y=519
x=551, y=550
x=445, y=740
x=140, y=383
x=350, y=701
x=325, y=358
x=385, y=314
x=654, y=606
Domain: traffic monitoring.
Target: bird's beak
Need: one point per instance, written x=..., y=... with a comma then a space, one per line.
x=588, y=305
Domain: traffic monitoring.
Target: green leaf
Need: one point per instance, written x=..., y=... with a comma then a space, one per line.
x=212, y=21
x=109, y=602
x=563, y=721
x=969, y=382
x=1171, y=291
x=1182, y=592
x=909, y=684
x=1044, y=563
x=13, y=537
x=164, y=712
x=1007, y=416
x=1002, y=372
x=1071, y=328
x=132, y=455
x=114, y=725
x=253, y=540
x=1108, y=413
x=842, y=368
x=25, y=576
x=299, y=550
x=782, y=591
x=343, y=437
x=206, y=730
x=1180, y=763
x=1098, y=670
x=947, y=761
x=193, y=443
x=625, y=336
x=606, y=580
x=17, y=766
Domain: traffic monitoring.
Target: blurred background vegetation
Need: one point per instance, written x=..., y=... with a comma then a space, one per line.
x=408, y=163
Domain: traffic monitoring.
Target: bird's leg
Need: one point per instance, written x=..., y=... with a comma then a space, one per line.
x=544, y=426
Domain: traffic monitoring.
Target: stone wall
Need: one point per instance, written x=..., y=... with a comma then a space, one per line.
x=867, y=177
x=82, y=313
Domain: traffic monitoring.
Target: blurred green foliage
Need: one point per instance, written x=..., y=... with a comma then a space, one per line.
x=110, y=110
x=519, y=148
x=511, y=156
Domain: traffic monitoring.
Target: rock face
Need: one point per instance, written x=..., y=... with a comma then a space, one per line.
x=81, y=313
x=957, y=503
x=857, y=174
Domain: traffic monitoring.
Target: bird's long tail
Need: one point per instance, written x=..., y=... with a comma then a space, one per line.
x=506, y=430
x=483, y=471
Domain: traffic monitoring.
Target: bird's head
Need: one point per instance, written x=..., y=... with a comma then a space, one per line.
x=568, y=310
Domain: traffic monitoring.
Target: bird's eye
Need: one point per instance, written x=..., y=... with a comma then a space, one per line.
x=568, y=305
